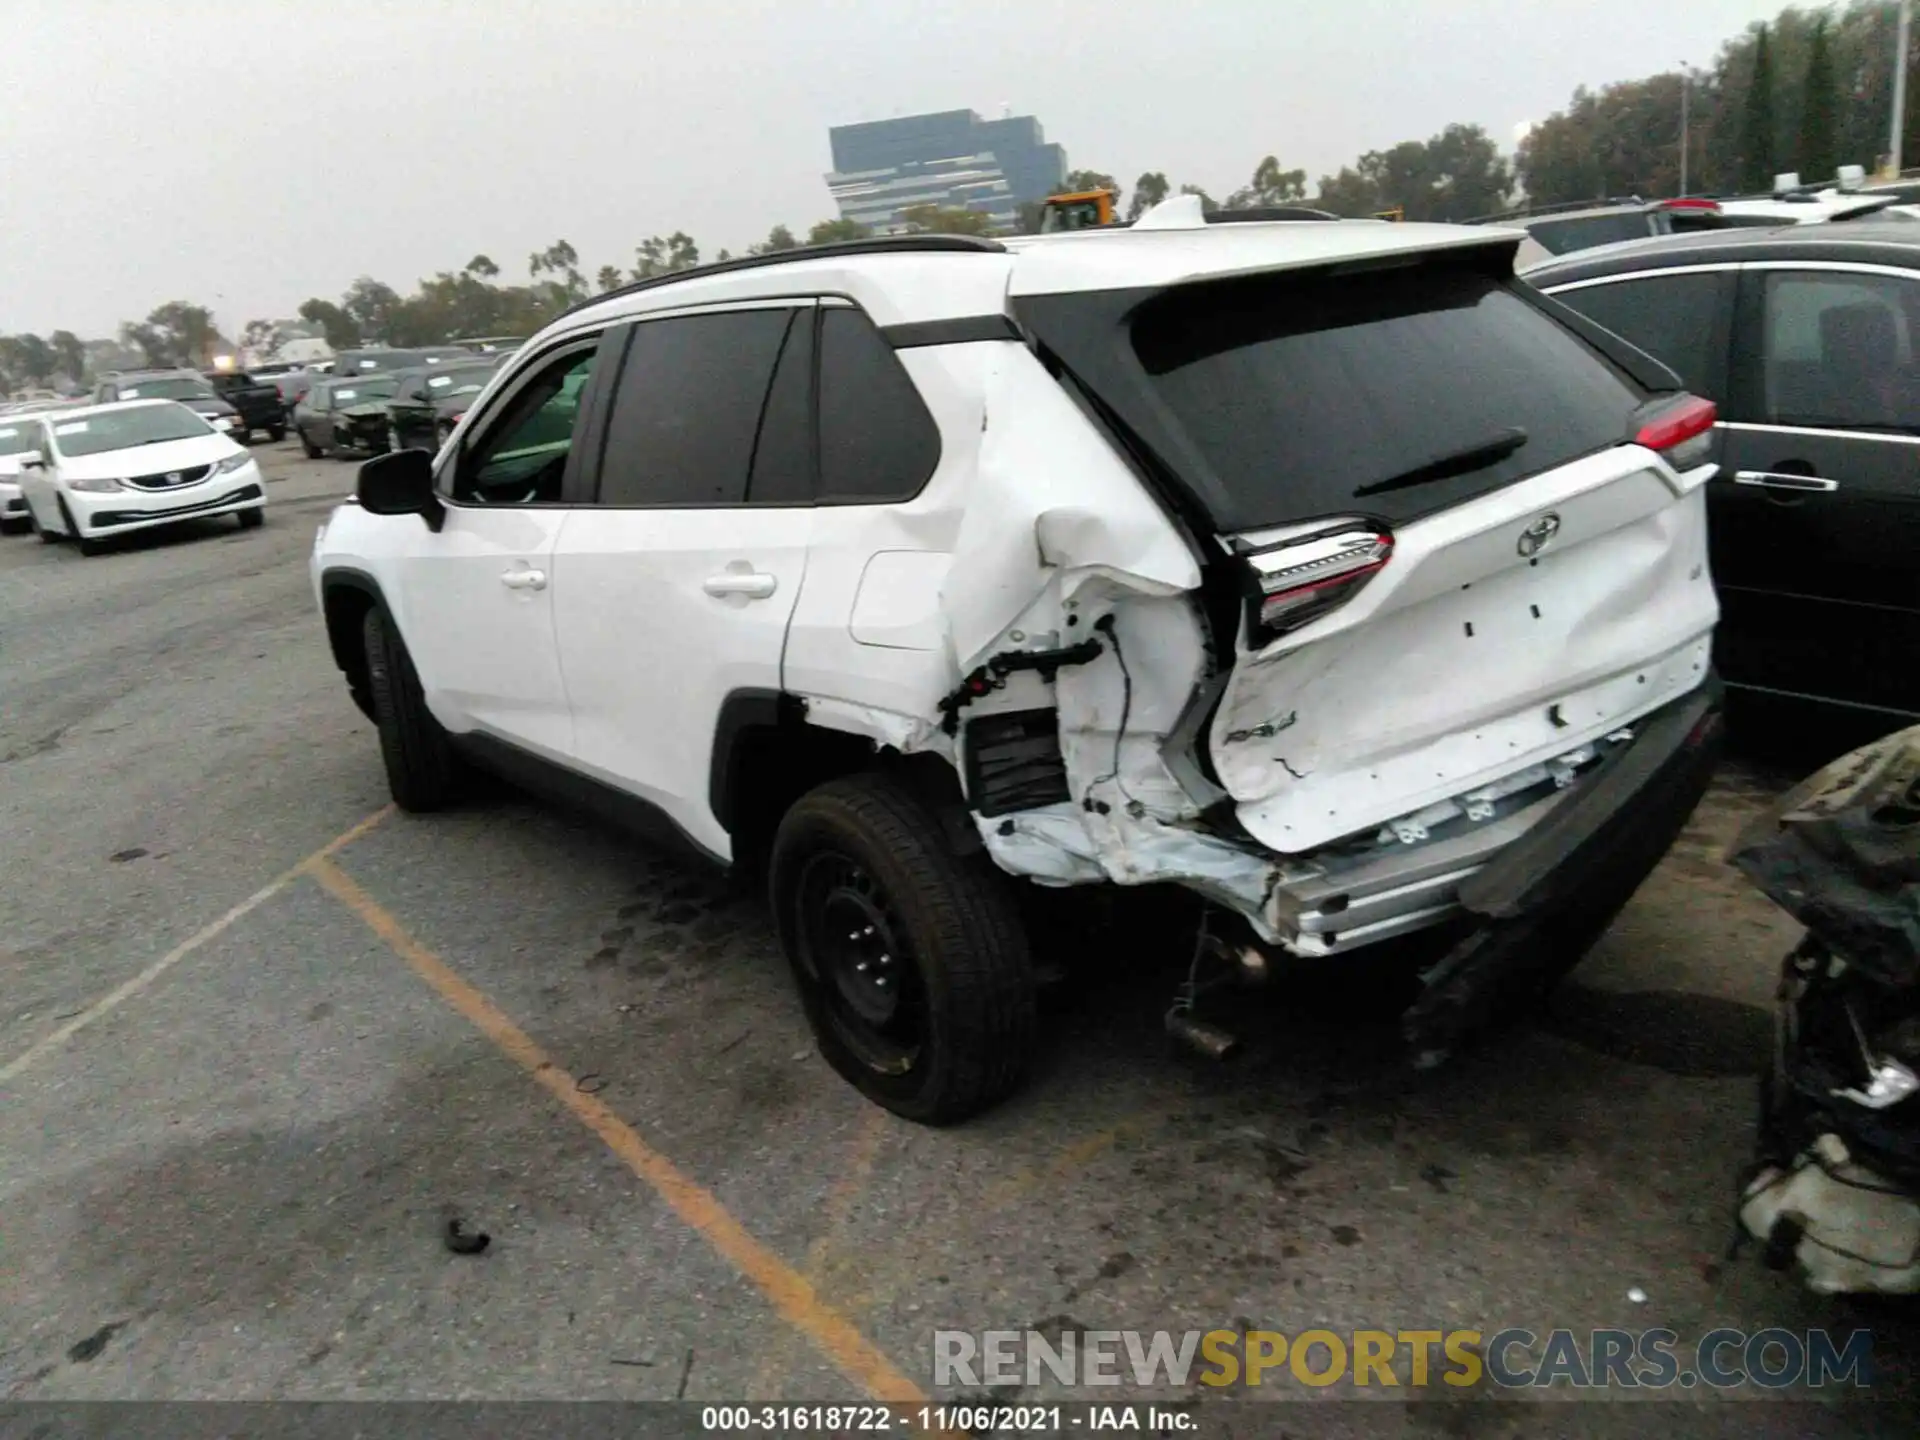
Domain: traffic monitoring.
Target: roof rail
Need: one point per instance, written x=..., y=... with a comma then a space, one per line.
x=874, y=245
x=1268, y=212
x=1528, y=211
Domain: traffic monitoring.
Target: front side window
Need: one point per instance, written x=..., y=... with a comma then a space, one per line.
x=1839, y=351
x=521, y=457
x=688, y=407
x=1674, y=318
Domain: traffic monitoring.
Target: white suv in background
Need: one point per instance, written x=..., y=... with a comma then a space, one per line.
x=105, y=470
x=1315, y=566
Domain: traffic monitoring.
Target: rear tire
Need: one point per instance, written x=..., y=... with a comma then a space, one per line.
x=912, y=962
x=242, y=435
x=276, y=433
x=423, y=773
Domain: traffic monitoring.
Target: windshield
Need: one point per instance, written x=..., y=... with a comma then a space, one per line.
x=1390, y=395
x=17, y=438
x=172, y=387
x=364, y=390
x=466, y=381
x=103, y=430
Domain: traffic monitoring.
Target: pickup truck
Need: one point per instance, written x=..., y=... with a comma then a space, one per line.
x=258, y=402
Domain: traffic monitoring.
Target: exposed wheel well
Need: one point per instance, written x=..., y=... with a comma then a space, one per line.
x=766, y=756
x=345, y=602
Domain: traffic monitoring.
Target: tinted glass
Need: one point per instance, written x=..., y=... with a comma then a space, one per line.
x=1674, y=318
x=1580, y=232
x=877, y=440
x=522, y=456
x=18, y=436
x=1309, y=398
x=783, y=455
x=103, y=430
x=359, y=392
x=688, y=406
x=1839, y=351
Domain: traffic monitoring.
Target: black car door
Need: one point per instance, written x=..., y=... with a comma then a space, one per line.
x=1817, y=545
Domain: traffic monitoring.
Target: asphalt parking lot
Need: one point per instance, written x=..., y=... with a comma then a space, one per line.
x=260, y=1037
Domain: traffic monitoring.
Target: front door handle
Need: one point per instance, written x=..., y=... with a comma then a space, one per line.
x=750, y=584
x=527, y=579
x=1775, y=480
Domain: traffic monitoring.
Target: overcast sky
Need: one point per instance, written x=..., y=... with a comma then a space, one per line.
x=245, y=154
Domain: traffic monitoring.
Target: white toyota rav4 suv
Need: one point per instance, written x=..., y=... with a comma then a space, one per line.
x=1317, y=566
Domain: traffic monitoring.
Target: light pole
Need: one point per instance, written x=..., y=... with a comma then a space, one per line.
x=1899, y=87
x=1686, y=98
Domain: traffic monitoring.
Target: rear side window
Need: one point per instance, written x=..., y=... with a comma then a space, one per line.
x=1677, y=319
x=687, y=408
x=1390, y=395
x=877, y=440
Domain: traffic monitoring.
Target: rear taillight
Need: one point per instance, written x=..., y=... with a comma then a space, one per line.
x=1299, y=581
x=1681, y=429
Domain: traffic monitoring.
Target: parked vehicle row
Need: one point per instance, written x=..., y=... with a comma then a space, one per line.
x=372, y=413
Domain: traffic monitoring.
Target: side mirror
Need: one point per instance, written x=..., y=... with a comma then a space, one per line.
x=400, y=483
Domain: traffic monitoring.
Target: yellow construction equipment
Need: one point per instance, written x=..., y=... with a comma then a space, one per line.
x=1398, y=212
x=1082, y=210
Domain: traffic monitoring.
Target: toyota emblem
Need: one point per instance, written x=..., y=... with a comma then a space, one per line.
x=1536, y=536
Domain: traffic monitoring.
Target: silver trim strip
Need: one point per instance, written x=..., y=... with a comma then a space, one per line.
x=1815, y=430
x=1770, y=480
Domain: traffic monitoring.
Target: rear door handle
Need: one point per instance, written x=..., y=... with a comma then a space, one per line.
x=751, y=584
x=1774, y=480
x=528, y=579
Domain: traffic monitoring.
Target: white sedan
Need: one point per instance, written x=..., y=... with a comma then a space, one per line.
x=105, y=470
x=18, y=438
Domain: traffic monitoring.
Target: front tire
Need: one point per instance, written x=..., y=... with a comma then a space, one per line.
x=423, y=773
x=251, y=519
x=80, y=541
x=912, y=962
x=314, y=452
x=276, y=433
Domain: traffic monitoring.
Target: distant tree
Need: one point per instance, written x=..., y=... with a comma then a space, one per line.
x=70, y=354
x=825, y=232
x=662, y=255
x=1455, y=175
x=26, y=357
x=1757, y=130
x=1270, y=186
x=151, y=344
x=341, y=330
x=1148, y=191
x=372, y=305
x=260, y=336
x=1080, y=181
x=483, y=267
x=1207, y=203
x=724, y=256
x=609, y=278
x=1819, y=111
x=779, y=238
x=944, y=220
x=184, y=334
x=562, y=262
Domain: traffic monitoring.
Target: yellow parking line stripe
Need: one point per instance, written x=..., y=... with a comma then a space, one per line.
x=789, y=1292
x=127, y=989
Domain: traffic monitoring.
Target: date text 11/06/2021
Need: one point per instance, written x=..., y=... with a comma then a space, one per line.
x=956, y=1419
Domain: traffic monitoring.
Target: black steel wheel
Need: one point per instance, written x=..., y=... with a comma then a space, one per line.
x=911, y=959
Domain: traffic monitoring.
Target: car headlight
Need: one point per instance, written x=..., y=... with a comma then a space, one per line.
x=231, y=464
x=101, y=485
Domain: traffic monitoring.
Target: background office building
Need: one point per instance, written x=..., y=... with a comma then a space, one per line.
x=952, y=159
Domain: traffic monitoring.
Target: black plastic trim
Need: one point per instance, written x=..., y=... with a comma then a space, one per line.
x=569, y=788
x=878, y=245
x=104, y=519
x=957, y=331
x=743, y=710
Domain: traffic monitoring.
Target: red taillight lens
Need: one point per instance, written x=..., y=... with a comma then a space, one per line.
x=1680, y=429
x=1712, y=207
x=1302, y=580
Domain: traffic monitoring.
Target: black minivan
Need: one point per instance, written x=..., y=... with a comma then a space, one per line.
x=1808, y=337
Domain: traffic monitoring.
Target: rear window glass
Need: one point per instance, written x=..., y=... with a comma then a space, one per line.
x=1581, y=232
x=1387, y=395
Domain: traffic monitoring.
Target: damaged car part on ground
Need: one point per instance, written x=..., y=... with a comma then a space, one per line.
x=1835, y=1188
x=1317, y=568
